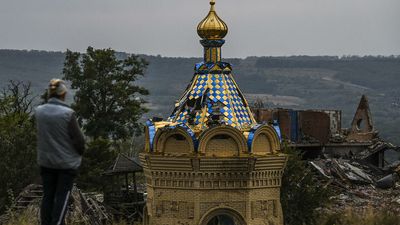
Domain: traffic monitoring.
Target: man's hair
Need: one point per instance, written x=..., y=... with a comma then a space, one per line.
x=57, y=88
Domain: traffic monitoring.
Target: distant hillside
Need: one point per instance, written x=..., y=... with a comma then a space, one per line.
x=299, y=82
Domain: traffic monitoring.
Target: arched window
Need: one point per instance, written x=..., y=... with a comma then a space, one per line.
x=222, y=145
x=264, y=140
x=362, y=126
x=221, y=220
x=222, y=141
x=173, y=141
x=223, y=217
x=262, y=144
x=176, y=143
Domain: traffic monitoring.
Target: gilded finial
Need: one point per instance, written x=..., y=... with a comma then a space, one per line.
x=212, y=27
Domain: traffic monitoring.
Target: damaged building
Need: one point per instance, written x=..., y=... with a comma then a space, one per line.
x=319, y=133
x=361, y=169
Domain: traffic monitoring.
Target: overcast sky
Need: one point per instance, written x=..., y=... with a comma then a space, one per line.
x=168, y=27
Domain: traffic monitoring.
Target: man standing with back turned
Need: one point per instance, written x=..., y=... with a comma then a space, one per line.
x=60, y=148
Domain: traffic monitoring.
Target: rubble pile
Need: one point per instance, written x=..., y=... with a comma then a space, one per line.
x=85, y=209
x=377, y=145
x=359, y=186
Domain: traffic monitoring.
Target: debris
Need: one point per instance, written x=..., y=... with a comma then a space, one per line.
x=343, y=197
x=314, y=164
x=343, y=170
x=353, y=184
x=397, y=200
x=355, y=173
x=388, y=181
x=83, y=209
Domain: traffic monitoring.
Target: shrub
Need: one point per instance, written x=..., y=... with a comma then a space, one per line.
x=300, y=193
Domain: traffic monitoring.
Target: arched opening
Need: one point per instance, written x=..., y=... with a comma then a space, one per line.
x=263, y=140
x=221, y=220
x=176, y=143
x=173, y=141
x=223, y=141
x=262, y=145
x=222, y=217
x=361, y=125
x=222, y=145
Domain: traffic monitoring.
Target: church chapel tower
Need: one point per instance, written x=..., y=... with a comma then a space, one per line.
x=210, y=163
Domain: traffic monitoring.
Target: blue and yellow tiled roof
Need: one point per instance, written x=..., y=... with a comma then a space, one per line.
x=212, y=97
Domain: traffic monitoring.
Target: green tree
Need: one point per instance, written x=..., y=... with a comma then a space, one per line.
x=17, y=140
x=108, y=104
x=98, y=157
x=300, y=193
x=107, y=101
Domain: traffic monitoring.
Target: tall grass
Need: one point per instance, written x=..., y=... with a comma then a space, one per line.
x=27, y=217
x=31, y=214
x=368, y=217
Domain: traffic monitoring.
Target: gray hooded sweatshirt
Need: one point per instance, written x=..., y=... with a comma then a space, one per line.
x=60, y=140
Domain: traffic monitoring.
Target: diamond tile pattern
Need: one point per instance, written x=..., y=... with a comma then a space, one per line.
x=218, y=95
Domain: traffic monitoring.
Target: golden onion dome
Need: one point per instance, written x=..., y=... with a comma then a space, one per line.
x=212, y=27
